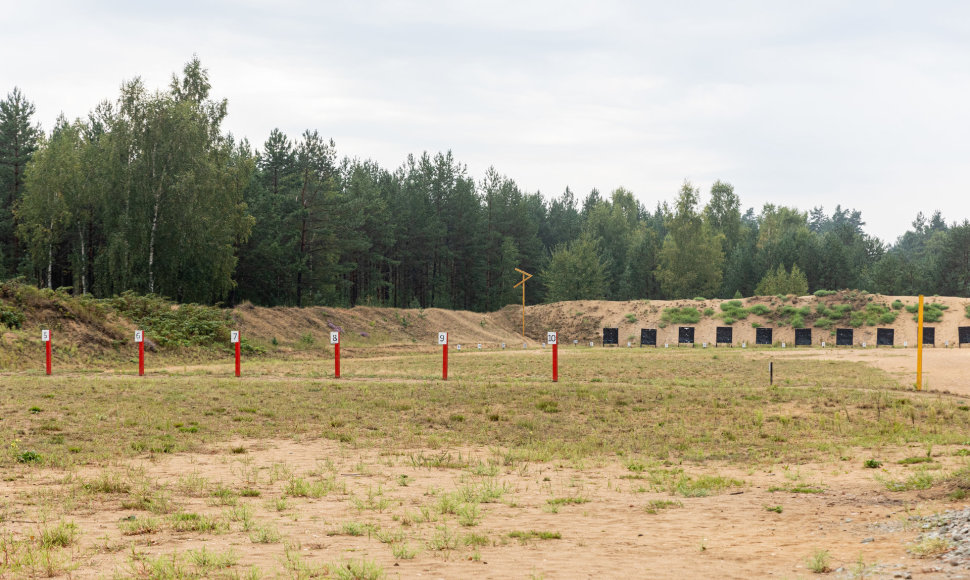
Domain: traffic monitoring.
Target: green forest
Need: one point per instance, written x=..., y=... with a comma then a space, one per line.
x=151, y=194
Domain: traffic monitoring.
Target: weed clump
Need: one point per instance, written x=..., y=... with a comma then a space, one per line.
x=685, y=315
x=169, y=324
x=932, y=312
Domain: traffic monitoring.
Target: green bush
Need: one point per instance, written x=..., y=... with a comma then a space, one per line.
x=932, y=312
x=169, y=324
x=823, y=322
x=759, y=310
x=708, y=312
x=897, y=304
x=11, y=317
x=730, y=305
x=824, y=293
x=685, y=315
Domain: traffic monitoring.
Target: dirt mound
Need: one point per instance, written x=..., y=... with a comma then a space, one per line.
x=583, y=321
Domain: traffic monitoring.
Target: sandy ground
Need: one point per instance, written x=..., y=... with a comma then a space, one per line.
x=732, y=534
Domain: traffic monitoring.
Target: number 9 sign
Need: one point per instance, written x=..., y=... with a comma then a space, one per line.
x=442, y=338
x=334, y=337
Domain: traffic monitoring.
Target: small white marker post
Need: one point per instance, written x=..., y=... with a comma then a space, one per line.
x=479, y=346
x=443, y=341
x=234, y=339
x=45, y=336
x=335, y=341
x=140, y=339
x=553, y=339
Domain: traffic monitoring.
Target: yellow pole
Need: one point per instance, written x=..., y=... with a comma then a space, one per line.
x=919, y=346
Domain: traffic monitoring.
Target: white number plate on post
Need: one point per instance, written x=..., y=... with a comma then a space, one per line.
x=234, y=336
x=139, y=336
x=442, y=338
x=334, y=337
x=551, y=337
x=45, y=335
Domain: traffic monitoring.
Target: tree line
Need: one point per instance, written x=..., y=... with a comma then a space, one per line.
x=149, y=193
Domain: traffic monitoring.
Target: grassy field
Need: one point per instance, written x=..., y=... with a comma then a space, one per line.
x=695, y=405
x=651, y=411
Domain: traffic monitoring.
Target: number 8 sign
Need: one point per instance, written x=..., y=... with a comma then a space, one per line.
x=334, y=337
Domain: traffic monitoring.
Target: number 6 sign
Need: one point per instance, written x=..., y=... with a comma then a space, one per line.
x=140, y=339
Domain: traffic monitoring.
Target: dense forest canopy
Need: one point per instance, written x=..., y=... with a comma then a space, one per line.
x=150, y=194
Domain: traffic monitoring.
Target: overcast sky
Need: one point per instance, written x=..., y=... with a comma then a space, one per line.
x=864, y=103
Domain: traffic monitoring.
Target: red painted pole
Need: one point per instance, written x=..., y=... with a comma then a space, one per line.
x=141, y=359
x=444, y=368
x=555, y=362
x=336, y=360
x=48, y=356
x=238, y=369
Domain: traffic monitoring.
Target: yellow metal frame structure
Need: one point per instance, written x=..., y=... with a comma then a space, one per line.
x=525, y=276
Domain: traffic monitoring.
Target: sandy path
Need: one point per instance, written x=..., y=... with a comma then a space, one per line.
x=728, y=535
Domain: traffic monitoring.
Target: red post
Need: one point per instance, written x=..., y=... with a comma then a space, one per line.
x=335, y=341
x=141, y=359
x=553, y=339
x=238, y=369
x=555, y=363
x=235, y=339
x=47, y=336
x=443, y=341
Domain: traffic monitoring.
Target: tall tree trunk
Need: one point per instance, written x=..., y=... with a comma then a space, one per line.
x=50, y=258
x=151, y=242
x=84, y=261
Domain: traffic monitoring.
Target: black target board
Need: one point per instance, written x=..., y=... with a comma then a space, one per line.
x=762, y=336
x=685, y=335
x=648, y=337
x=803, y=337
x=725, y=335
x=929, y=335
x=611, y=336
x=843, y=337
x=885, y=337
x=963, y=333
